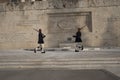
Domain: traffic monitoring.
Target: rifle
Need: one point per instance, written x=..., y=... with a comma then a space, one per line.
x=35, y=29
x=82, y=27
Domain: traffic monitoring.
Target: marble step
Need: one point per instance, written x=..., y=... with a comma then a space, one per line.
x=61, y=63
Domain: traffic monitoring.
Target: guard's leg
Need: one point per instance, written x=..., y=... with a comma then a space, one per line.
x=42, y=47
x=77, y=47
x=35, y=50
x=81, y=46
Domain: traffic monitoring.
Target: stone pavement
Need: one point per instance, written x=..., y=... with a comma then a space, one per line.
x=37, y=74
x=65, y=59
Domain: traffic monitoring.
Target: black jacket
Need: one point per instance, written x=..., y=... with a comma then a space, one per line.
x=41, y=36
x=78, y=37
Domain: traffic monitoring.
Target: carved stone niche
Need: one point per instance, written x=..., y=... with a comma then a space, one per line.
x=62, y=26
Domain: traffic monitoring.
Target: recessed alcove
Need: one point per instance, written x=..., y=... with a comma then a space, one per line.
x=62, y=26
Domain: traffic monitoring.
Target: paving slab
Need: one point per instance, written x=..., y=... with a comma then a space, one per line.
x=54, y=55
x=37, y=74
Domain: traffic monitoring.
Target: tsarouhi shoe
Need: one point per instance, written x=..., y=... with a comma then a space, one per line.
x=43, y=52
x=76, y=50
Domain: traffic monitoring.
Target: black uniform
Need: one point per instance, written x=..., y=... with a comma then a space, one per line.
x=78, y=37
x=78, y=40
x=40, y=38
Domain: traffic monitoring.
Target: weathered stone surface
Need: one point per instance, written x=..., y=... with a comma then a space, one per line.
x=64, y=25
x=2, y=7
x=59, y=4
x=59, y=20
x=2, y=1
x=57, y=74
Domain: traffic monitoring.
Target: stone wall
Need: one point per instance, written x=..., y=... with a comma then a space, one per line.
x=59, y=20
x=2, y=1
